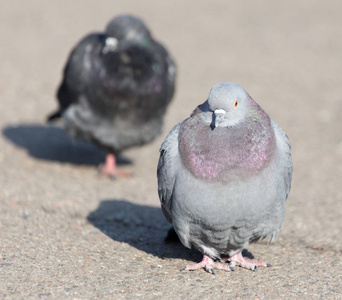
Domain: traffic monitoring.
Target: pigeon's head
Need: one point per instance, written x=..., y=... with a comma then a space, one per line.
x=229, y=103
x=126, y=30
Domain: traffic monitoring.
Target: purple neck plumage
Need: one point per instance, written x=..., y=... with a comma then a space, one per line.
x=227, y=153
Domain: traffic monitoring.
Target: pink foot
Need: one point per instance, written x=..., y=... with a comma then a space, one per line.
x=239, y=260
x=209, y=265
x=109, y=169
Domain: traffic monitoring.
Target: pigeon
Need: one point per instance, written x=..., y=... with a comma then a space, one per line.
x=116, y=89
x=224, y=175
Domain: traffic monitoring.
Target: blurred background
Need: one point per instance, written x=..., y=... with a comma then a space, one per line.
x=67, y=233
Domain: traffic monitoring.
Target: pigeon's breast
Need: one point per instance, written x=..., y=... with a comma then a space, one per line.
x=225, y=154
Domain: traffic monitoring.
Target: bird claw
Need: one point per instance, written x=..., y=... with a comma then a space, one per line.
x=239, y=260
x=209, y=265
x=210, y=269
x=103, y=174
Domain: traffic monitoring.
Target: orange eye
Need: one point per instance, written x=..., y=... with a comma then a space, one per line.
x=236, y=103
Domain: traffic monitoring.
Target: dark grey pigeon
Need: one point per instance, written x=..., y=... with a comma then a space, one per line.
x=224, y=175
x=116, y=88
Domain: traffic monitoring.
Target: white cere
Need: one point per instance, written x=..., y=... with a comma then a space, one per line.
x=110, y=44
x=219, y=111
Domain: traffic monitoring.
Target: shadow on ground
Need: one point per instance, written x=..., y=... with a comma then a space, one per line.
x=141, y=226
x=53, y=144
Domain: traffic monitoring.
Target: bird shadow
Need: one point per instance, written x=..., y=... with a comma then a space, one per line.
x=53, y=144
x=141, y=226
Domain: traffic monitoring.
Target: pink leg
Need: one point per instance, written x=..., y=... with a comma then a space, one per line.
x=239, y=260
x=109, y=169
x=209, y=265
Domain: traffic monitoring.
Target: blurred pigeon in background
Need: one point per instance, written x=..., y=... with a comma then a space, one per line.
x=224, y=175
x=116, y=88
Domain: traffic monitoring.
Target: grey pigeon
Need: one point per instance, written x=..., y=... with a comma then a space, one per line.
x=224, y=175
x=116, y=88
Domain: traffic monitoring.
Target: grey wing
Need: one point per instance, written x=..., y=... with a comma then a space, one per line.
x=77, y=72
x=171, y=74
x=78, y=69
x=169, y=69
x=168, y=165
x=285, y=147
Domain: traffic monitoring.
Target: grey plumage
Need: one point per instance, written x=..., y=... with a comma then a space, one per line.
x=117, y=86
x=224, y=174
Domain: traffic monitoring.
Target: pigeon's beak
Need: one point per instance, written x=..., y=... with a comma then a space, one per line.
x=219, y=116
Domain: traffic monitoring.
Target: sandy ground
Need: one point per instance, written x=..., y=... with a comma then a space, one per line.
x=67, y=234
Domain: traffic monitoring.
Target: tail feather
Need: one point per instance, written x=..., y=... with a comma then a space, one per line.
x=53, y=116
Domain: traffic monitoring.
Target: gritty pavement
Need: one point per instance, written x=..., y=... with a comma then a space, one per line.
x=65, y=233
